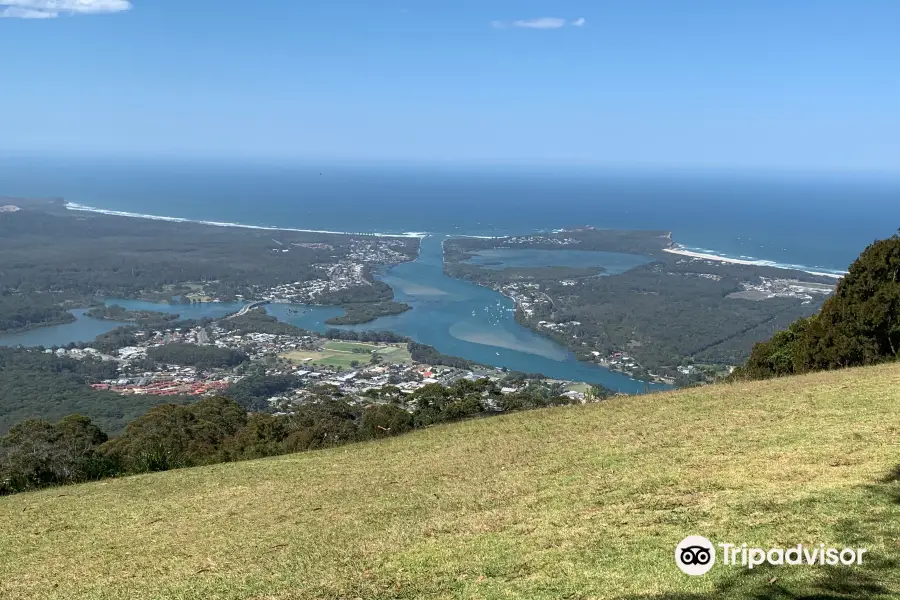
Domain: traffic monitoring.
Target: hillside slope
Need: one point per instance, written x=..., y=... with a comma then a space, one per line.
x=575, y=502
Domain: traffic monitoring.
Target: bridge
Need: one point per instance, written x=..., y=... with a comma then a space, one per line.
x=248, y=308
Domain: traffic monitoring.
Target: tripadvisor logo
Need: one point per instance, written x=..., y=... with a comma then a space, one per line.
x=696, y=555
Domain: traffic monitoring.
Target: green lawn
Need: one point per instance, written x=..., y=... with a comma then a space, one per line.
x=328, y=358
x=349, y=346
x=341, y=354
x=584, y=388
x=396, y=353
x=583, y=502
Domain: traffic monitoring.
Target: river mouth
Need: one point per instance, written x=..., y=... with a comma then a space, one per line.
x=463, y=319
x=457, y=317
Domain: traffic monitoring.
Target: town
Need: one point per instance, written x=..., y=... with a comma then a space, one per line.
x=767, y=288
x=354, y=271
x=309, y=361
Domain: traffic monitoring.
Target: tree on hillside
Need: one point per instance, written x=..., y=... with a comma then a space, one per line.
x=859, y=325
x=192, y=355
x=171, y=436
x=36, y=454
x=384, y=420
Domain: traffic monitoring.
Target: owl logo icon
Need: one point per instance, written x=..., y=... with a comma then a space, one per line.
x=695, y=555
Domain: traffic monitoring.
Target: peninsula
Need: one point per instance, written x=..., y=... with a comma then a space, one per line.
x=652, y=310
x=55, y=259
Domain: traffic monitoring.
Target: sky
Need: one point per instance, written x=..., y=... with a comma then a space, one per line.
x=805, y=84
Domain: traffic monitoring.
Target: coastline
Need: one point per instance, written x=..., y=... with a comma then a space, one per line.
x=673, y=249
x=119, y=213
x=749, y=262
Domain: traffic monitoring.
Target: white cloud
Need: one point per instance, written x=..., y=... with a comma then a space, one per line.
x=579, y=22
x=539, y=23
x=542, y=23
x=13, y=12
x=49, y=9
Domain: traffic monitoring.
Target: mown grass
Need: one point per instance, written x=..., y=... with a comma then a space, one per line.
x=573, y=502
x=341, y=354
x=350, y=346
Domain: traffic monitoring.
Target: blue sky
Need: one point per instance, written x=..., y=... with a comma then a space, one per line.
x=745, y=84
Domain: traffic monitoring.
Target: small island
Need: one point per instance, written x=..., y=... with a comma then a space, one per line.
x=143, y=318
x=359, y=313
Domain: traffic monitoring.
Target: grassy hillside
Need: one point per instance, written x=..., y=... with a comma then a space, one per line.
x=575, y=502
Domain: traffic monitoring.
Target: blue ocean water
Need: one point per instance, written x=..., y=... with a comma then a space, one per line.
x=820, y=223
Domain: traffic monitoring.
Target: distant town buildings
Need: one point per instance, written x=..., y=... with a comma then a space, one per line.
x=345, y=274
x=270, y=352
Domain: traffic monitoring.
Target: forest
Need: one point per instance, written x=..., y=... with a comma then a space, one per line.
x=638, y=241
x=259, y=321
x=430, y=356
x=666, y=313
x=193, y=355
x=143, y=318
x=53, y=259
x=387, y=337
x=40, y=452
x=356, y=314
x=34, y=383
x=19, y=312
x=859, y=325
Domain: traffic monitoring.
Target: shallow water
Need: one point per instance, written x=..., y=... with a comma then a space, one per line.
x=463, y=319
x=83, y=329
x=613, y=263
x=457, y=317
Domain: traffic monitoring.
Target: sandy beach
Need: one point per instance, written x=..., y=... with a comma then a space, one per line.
x=740, y=261
x=119, y=213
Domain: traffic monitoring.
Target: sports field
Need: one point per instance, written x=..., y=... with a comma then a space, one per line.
x=344, y=354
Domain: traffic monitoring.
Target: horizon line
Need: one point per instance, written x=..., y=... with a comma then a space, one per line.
x=465, y=163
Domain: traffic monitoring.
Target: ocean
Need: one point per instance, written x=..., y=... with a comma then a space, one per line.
x=819, y=224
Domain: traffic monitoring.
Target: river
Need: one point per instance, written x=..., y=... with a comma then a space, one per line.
x=455, y=316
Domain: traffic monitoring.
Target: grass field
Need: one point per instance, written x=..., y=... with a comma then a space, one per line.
x=339, y=346
x=580, y=387
x=341, y=354
x=574, y=502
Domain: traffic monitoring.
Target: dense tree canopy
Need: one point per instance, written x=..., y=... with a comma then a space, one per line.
x=37, y=453
x=354, y=314
x=859, y=325
x=34, y=384
x=252, y=392
x=192, y=355
x=387, y=337
x=665, y=313
x=171, y=436
x=429, y=355
x=259, y=321
x=19, y=312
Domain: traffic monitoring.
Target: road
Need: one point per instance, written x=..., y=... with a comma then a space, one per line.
x=248, y=308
